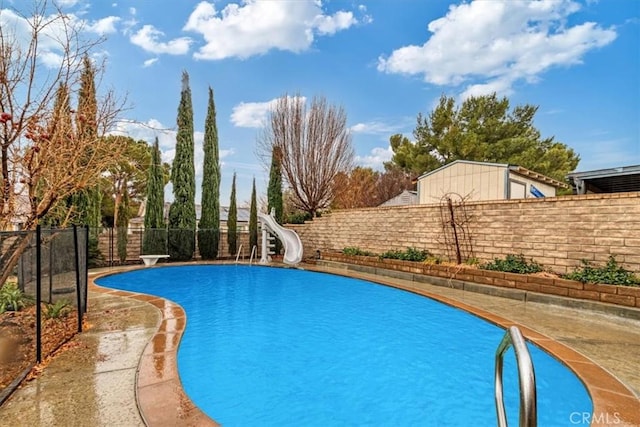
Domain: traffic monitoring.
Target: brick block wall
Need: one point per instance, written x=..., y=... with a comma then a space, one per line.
x=620, y=295
x=557, y=232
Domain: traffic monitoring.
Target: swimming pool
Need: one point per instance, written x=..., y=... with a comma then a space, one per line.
x=267, y=346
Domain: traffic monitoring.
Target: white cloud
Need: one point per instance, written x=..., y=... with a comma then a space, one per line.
x=366, y=18
x=377, y=127
x=53, y=32
x=251, y=114
x=152, y=128
x=376, y=158
x=254, y=114
x=332, y=24
x=490, y=45
x=147, y=38
x=52, y=37
x=149, y=62
x=104, y=26
x=67, y=3
x=255, y=27
x=147, y=131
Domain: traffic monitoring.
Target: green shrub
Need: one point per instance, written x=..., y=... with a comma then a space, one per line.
x=298, y=218
x=513, y=264
x=208, y=243
x=181, y=244
x=154, y=241
x=57, y=310
x=433, y=260
x=12, y=298
x=472, y=261
x=355, y=251
x=410, y=254
x=611, y=273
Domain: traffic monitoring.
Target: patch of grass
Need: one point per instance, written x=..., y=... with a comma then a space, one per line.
x=513, y=264
x=410, y=254
x=355, y=251
x=57, y=310
x=433, y=259
x=611, y=273
x=12, y=298
x=473, y=261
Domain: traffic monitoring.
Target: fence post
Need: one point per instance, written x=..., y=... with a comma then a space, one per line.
x=110, y=246
x=51, y=240
x=38, y=296
x=77, y=263
x=86, y=267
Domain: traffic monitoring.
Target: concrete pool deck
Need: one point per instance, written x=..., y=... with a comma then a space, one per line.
x=124, y=364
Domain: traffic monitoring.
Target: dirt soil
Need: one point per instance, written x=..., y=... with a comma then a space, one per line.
x=18, y=340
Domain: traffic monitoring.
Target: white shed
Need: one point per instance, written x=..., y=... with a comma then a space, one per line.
x=407, y=197
x=485, y=181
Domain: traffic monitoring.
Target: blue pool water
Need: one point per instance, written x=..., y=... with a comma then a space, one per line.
x=276, y=347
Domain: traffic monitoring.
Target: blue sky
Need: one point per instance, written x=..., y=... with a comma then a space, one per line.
x=383, y=61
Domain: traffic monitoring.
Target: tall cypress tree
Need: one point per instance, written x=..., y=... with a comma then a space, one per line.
x=274, y=191
x=155, y=231
x=253, y=218
x=232, y=220
x=209, y=227
x=182, y=214
x=86, y=119
x=60, y=129
x=88, y=202
x=123, y=226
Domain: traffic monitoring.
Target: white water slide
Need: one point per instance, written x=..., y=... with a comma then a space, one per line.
x=289, y=238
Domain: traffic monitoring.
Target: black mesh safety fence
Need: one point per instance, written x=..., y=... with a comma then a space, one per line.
x=43, y=297
x=124, y=246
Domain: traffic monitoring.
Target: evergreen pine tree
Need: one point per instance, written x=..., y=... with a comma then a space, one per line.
x=232, y=220
x=182, y=214
x=274, y=191
x=155, y=231
x=253, y=218
x=209, y=226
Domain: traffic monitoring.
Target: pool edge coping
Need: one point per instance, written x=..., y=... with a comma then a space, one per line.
x=153, y=410
x=611, y=398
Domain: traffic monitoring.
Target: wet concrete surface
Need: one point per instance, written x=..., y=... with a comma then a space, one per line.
x=92, y=383
x=126, y=359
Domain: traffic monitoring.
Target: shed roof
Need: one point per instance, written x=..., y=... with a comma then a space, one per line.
x=613, y=180
x=407, y=197
x=515, y=168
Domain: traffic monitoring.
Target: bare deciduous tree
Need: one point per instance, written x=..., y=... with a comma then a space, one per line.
x=45, y=157
x=357, y=189
x=392, y=182
x=364, y=187
x=315, y=145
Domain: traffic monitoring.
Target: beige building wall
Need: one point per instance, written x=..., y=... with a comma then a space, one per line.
x=557, y=232
x=477, y=182
x=474, y=181
x=546, y=189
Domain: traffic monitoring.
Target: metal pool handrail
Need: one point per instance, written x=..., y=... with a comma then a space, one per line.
x=526, y=376
x=254, y=251
x=238, y=254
